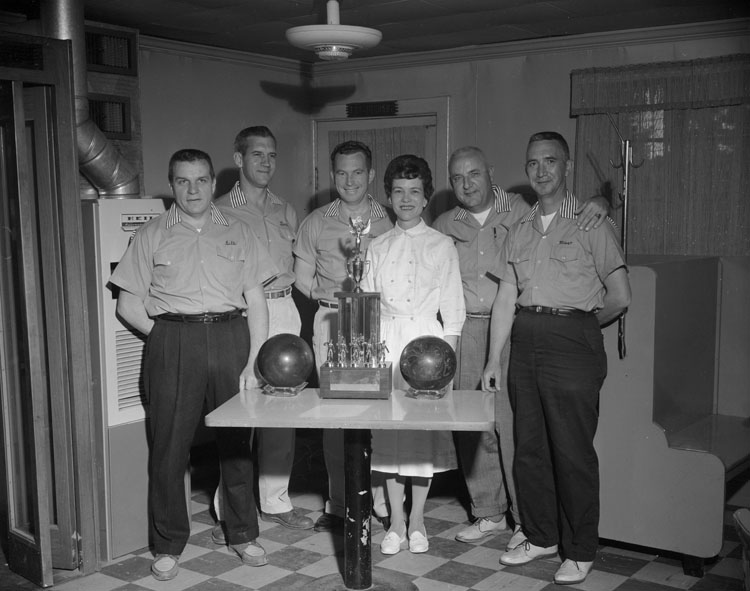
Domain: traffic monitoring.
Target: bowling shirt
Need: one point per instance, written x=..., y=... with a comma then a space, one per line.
x=174, y=268
x=478, y=245
x=562, y=267
x=324, y=241
x=275, y=224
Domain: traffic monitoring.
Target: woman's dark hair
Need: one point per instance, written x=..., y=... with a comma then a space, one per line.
x=408, y=166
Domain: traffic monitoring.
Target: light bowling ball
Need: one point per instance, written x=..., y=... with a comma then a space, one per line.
x=428, y=363
x=285, y=360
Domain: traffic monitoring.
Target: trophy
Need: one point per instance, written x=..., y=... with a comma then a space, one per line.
x=355, y=365
x=356, y=266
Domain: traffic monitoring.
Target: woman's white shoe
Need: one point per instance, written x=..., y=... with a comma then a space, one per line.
x=418, y=542
x=392, y=543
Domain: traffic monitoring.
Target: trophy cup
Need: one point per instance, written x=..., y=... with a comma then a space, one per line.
x=356, y=266
x=358, y=368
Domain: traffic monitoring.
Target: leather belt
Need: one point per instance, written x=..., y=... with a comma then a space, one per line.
x=206, y=318
x=483, y=315
x=554, y=311
x=278, y=293
x=328, y=304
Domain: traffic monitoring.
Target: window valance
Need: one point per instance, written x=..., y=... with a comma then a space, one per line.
x=691, y=84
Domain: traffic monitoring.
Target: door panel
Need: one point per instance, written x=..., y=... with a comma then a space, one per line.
x=25, y=418
x=33, y=356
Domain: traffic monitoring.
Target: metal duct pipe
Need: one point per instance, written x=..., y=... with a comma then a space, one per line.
x=98, y=159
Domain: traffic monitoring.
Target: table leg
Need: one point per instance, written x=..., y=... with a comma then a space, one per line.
x=357, y=539
x=357, y=535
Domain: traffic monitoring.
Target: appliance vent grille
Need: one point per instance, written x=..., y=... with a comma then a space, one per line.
x=129, y=351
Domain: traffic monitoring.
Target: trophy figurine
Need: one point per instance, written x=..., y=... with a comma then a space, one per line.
x=356, y=265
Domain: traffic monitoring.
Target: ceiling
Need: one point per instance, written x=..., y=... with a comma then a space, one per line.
x=408, y=26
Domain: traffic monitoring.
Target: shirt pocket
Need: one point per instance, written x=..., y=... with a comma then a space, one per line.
x=230, y=264
x=167, y=265
x=522, y=265
x=566, y=262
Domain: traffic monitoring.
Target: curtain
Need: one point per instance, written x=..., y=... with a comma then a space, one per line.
x=689, y=129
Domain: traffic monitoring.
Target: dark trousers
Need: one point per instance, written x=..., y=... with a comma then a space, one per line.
x=557, y=367
x=189, y=366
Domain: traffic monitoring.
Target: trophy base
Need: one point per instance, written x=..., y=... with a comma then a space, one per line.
x=426, y=394
x=283, y=391
x=356, y=382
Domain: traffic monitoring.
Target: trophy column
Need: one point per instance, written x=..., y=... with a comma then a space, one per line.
x=356, y=366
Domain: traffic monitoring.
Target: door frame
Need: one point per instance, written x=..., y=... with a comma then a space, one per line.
x=409, y=110
x=50, y=64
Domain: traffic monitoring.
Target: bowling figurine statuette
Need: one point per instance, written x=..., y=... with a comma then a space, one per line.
x=284, y=362
x=356, y=266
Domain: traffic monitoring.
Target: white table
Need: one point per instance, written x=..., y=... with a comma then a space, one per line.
x=459, y=410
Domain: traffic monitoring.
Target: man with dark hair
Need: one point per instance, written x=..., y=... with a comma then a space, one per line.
x=274, y=222
x=324, y=242
x=478, y=226
x=187, y=281
x=558, y=285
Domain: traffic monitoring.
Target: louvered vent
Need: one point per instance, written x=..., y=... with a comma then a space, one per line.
x=111, y=50
x=21, y=55
x=129, y=351
x=111, y=114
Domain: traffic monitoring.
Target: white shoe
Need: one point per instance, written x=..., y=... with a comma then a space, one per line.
x=392, y=543
x=516, y=539
x=572, y=572
x=526, y=552
x=482, y=528
x=418, y=543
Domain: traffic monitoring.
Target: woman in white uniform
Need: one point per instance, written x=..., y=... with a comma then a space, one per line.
x=415, y=269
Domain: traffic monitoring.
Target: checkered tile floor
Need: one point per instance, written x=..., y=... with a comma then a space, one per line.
x=298, y=557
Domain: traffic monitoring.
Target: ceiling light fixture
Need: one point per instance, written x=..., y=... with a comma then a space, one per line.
x=333, y=41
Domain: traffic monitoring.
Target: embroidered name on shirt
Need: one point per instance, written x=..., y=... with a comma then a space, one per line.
x=564, y=242
x=230, y=243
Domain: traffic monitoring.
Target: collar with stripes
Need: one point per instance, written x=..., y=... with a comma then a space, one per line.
x=237, y=196
x=502, y=204
x=568, y=208
x=376, y=209
x=173, y=216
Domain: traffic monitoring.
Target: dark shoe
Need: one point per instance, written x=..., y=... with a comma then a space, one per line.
x=384, y=520
x=291, y=519
x=165, y=567
x=329, y=522
x=217, y=534
x=251, y=553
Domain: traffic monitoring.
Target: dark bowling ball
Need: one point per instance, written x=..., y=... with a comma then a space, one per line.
x=285, y=360
x=428, y=363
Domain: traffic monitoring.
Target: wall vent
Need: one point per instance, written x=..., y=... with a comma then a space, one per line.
x=21, y=55
x=373, y=109
x=111, y=51
x=129, y=352
x=111, y=114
